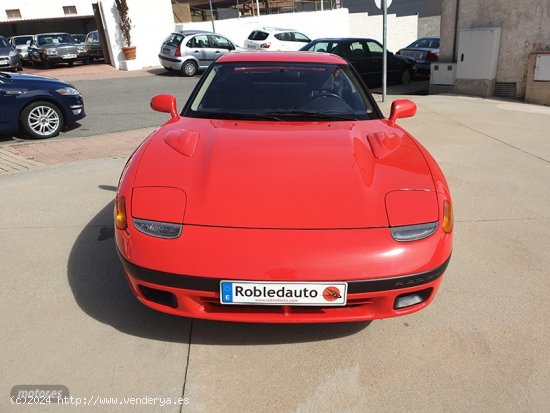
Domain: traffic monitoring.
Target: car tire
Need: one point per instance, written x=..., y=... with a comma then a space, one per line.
x=189, y=68
x=41, y=120
x=45, y=64
x=86, y=60
x=70, y=64
x=406, y=77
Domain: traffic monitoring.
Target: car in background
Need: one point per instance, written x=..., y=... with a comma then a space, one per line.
x=424, y=51
x=21, y=44
x=189, y=51
x=79, y=38
x=9, y=57
x=366, y=56
x=93, y=47
x=38, y=106
x=47, y=49
x=281, y=194
x=275, y=39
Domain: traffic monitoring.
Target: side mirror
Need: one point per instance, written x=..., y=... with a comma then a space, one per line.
x=401, y=108
x=165, y=103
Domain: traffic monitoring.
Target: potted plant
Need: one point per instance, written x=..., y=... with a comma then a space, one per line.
x=125, y=24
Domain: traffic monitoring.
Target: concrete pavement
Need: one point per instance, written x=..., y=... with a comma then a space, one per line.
x=68, y=318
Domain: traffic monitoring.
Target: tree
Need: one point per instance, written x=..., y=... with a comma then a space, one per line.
x=125, y=22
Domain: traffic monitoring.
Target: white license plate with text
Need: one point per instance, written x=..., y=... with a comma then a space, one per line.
x=283, y=293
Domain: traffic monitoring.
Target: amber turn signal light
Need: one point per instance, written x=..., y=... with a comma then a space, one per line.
x=120, y=212
x=448, y=218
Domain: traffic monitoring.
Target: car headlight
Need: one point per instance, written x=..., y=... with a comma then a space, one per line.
x=413, y=232
x=68, y=91
x=50, y=51
x=13, y=53
x=81, y=49
x=158, y=229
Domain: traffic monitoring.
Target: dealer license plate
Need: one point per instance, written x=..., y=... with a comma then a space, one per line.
x=283, y=293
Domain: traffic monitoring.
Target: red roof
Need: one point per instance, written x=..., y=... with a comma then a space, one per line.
x=291, y=57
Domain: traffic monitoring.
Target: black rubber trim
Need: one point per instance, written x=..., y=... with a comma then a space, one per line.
x=191, y=282
x=170, y=59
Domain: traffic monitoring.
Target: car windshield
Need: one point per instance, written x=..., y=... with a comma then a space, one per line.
x=22, y=40
x=281, y=92
x=54, y=39
x=426, y=43
x=3, y=42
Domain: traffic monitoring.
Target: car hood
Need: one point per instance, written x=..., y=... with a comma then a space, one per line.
x=37, y=81
x=314, y=175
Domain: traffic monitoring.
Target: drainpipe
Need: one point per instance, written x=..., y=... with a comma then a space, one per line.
x=212, y=16
x=455, y=45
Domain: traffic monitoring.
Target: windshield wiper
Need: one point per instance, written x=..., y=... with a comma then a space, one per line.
x=309, y=115
x=239, y=115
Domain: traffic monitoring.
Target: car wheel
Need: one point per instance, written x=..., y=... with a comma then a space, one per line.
x=189, y=68
x=70, y=63
x=45, y=64
x=41, y=120
x=86, y=60
x=406, y=76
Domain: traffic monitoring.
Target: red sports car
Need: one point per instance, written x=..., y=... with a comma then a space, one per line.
x=281, y=194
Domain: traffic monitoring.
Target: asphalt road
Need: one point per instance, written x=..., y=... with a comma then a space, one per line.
x=120, y=104
x=115, y=105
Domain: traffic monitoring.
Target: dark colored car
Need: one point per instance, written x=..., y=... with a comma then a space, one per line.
x=93, y=46
x=39, y=106
x=9, y=57
x=366, y=56
x=52, y=48
x=424, y=51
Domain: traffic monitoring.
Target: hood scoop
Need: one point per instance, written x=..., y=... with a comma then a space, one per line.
x=183, y=141
x=384, y=143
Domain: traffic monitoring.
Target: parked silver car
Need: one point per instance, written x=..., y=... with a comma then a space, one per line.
x=424, y=50
x=189, y=51
x=21, y=44
x=9, y=57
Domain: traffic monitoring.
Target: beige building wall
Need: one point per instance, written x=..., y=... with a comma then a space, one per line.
x=525, y=28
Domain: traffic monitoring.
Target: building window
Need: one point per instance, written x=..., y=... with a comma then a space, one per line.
x=13, y=14
x=69, y=10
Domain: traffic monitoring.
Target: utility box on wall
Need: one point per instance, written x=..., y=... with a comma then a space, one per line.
x=442, y=73
x=542, y=68
x=477, y=60
x=537, y=89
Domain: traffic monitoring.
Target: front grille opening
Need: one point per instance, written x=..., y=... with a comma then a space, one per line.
x=159, y=296
x=410, y=299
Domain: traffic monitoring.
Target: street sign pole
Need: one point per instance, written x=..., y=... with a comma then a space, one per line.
x=385, y=53
x=212, y=16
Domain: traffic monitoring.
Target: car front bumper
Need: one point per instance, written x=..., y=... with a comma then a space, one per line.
x=197, y=297
x=182, y=276
x=54, y=59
